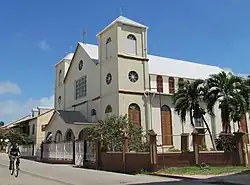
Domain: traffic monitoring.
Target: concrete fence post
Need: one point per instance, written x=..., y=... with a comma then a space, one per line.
x=240, y=147
x=184, y=142
x=195, y=135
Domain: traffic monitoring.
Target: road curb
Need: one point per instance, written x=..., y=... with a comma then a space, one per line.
x=207, y=181
x=175, y=176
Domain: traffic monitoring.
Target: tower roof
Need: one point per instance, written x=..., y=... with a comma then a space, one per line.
x=69, y=56
x=124, y=20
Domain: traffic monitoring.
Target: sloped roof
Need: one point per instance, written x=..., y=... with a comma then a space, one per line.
x=72, y=116
x=179, y=68
x=168, y=66
x=124, y=20
x=92, y=50
x=68, y=57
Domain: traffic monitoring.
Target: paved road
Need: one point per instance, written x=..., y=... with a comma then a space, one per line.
x=41, y=173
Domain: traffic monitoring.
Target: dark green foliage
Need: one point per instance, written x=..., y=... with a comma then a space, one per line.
x=1, y=123
x=226, y=142
x=110, y=133
x=15, y=136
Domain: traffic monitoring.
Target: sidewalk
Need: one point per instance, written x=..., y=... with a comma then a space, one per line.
x=230, y=179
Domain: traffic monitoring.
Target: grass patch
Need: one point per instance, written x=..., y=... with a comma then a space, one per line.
x=204, y=170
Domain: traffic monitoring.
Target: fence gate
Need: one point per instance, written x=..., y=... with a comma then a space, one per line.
x=79, y=153
x=85, y=151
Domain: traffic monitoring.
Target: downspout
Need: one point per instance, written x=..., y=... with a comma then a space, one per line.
x=147, y=102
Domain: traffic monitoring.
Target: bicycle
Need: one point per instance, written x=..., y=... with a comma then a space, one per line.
x=14, y=168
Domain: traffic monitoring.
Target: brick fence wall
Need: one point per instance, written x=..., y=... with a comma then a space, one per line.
x=135, y=162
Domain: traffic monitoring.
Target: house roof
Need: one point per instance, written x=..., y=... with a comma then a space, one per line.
x=124, y=20
x=72, y=116
x=168, y=66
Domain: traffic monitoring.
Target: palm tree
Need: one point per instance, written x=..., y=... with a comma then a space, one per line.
x=188, y=99
x=241, y=103
x=228, y=90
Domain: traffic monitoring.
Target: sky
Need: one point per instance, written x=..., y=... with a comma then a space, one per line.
x=35, y=35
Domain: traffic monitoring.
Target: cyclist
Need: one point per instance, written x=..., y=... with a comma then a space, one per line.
x=14, y=152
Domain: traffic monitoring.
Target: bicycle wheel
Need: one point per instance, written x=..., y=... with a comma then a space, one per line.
x=17, y=171
x=12, y=168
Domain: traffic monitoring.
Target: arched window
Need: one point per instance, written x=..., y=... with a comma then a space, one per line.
x=108, y=109
x=93, y=115
x=171, y=85
x=60, y=77
x=48, y=138
x=58, y=136
x=166, y=125
x=69, y=136
x=180, y=83
x=83, y=134
x=131, y=39
x=134, y=113
x=59, y=101
x=159, y=83
x=108, y=47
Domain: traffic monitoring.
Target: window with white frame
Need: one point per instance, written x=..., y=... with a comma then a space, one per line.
x=81, y=87
x=108, y=47
x=131, y=44
x=198, y=123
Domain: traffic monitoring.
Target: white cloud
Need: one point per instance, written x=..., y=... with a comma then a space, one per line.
x=11, y=110
x=43, y=45
x=8, y=87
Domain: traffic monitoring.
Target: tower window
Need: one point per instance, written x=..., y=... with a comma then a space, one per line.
x=60, y=77
x=108, y=47
x=131, y=40
x=108, y=109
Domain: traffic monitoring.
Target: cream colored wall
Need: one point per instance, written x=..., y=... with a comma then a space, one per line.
x=42, y=120
x=127, y=65
x=139, y=33
x=93, y=75
x=57, y=123
x=31, y=123
x=59, y=88
x=110, y=32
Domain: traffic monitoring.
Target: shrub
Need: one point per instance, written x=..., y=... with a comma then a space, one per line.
x=226, y=142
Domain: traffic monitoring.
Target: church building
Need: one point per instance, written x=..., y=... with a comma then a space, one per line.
x=119, y=76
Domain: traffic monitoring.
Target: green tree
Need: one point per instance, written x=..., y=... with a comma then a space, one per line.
x=15, y=136
x=111, y=133
x=1, y=123
x=228, y=90
x=188, y=98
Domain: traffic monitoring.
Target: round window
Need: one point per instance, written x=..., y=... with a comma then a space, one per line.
x=133, y=76
x=108, y=78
